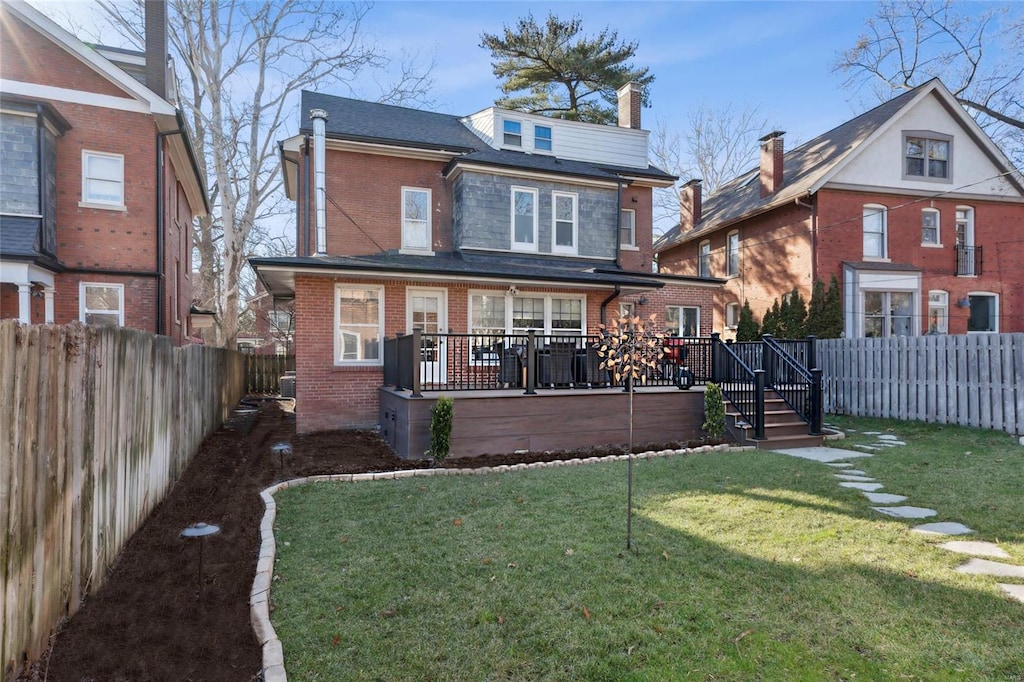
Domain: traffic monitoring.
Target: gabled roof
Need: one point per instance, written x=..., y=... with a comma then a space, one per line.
x=807, y=168
x=360, y=121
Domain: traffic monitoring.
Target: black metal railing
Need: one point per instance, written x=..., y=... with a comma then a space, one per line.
x=968, y=260
x=740, y=384
x=792, y=380
x=530, y=361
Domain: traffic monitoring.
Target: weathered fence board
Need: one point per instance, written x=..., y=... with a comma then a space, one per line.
x=972, y=380
x=264, y=372
x=96, y=424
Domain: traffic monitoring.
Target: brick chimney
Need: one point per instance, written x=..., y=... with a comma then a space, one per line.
x=629, y=105
x=156, y=46
x=690, y=205
x=771, y=162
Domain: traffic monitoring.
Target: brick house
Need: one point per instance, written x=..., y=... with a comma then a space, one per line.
x=98, y=179
x=910, y=205
x=484, y=227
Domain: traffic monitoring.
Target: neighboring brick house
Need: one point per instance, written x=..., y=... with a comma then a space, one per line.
x=910, y=205
x=266, y=325
x=98, y=180
x=489, y=224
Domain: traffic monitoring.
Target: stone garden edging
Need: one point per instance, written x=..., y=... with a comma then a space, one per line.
x=259, y=596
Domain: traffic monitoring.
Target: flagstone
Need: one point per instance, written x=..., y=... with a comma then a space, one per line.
x=1013, y=591
x=887, y=436
x=976, y=547
x=883, y=498
x=854, y=472
x=942, y=528
x=862, y=479
x=986, y=567
x=906, y=512
x=838, y=465
x=862, y=486
x=822, y=454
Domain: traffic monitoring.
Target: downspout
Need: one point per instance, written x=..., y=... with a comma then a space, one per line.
x=305, y=187
x=604, y=304
x=160, y=286
x=618, y=230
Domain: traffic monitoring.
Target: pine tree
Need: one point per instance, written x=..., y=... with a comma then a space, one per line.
x=565, y=74
x=770, y=322
x=816, y=309
x=746, y=326
x=831, y=326
x=793, y=317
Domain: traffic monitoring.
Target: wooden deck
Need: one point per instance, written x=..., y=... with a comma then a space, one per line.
x=505, y=420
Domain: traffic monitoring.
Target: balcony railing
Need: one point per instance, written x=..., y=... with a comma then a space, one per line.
x=968, y=260
x=531, y=362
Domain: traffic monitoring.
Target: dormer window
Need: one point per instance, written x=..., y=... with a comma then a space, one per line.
x=542, y=138
x=513, y=133
x=926, y=156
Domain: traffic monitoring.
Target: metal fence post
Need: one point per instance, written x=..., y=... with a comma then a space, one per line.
x=715, y=370
x=415, y=355
x=759, y=404
x=531, y=363
x=816, y=407
x=812, y=351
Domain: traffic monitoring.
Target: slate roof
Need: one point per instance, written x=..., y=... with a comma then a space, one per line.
x=19, y=241
x=360, y=121
x=802, y=167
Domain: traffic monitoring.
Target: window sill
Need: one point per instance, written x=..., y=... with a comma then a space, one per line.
x=355, y=364
x=405, y=251
x=931, y=246
x=876, y=259
x=103, y=207
x=626, y=247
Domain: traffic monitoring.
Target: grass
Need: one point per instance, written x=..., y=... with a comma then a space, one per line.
x=749, y=566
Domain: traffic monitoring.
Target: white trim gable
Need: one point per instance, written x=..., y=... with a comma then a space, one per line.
x=933, y=107
x=90, y=57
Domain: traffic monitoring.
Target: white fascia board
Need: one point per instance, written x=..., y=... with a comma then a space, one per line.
x=647, y=182
x=390, y=150
x=103, y=66
x=534, y=175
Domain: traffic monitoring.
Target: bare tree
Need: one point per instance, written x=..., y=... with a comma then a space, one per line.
x=243, y=62
x=716, y=145
x=977, y=51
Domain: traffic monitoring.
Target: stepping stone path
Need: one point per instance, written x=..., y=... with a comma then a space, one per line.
x=859, y=480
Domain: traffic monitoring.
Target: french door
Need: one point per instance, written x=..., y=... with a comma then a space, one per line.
x=427, y=311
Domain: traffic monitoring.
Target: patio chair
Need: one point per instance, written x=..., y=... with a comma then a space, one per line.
x=595, y=376
x=510, y=372
x=559, y=359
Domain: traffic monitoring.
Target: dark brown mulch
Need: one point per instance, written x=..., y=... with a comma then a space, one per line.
x=148, y=621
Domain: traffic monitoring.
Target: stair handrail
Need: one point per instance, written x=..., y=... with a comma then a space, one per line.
x=809, y=410
x=743, y=386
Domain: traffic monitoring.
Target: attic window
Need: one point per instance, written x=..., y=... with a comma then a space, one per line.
x=926, y=156
x=542, y=138
x=513, y=133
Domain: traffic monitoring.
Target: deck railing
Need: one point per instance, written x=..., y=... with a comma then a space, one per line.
x=530, y=361
x=741, y=385
x=968, y=260
x=798, y=385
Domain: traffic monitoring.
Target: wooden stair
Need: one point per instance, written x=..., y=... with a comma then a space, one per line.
x=783, y=427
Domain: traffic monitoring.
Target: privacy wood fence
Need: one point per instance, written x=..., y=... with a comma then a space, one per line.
x=96, y=424
x=973, y=380
x=263, y=372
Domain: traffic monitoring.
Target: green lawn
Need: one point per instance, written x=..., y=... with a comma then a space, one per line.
x=750, y=565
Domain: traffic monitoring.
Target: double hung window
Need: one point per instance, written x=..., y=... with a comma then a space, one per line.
x=512, y=133
x=682, y=321
x=524, y=219
x=627, y=228
x=874, y=231
x=359, y=312
x=101, y=304
x=102, y=179
x=888, y=313
x=564, y=222
x=704, y=259
x=930, y=226
x=415, y=218
x=542, y=138
x=926, y=157
x=732, y=254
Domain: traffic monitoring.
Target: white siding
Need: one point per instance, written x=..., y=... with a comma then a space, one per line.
x=571, y=140
x=881, y=163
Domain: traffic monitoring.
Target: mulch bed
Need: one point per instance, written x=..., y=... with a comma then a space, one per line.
x=148, y=622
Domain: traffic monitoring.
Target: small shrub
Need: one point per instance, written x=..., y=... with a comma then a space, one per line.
x=441, y=415
x=714, y=411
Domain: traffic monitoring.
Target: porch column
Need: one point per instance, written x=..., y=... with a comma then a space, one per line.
x=48, y=304
x=25, y=303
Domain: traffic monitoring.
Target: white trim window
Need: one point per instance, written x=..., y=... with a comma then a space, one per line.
x=102, y=179
x=627, y=228
x=627, y=309
x=416, y=229
x=732, y=315
x=874, y=231
x=732, y=253
x=524, y=219
x=984, y=315
x=938, y=312
x=888, y=313
x=359, y=322
x=564, y=223
x=101, y=303
x=487, y=325
x=496, y=313
x=704, y=259
x=926, y=157
x=682, y=320
x=512, y=133
x=542, y=138
x=930, y=227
